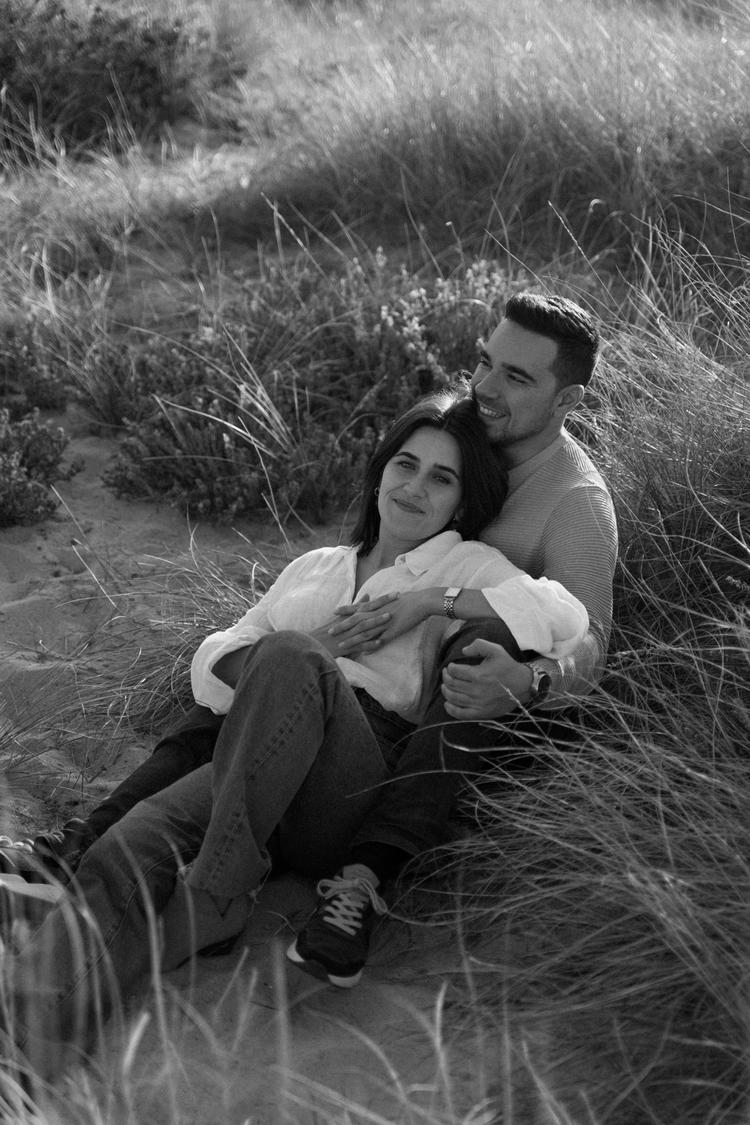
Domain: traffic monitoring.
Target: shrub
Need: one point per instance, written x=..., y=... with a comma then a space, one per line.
x=284, y=401
x=220, y=454
x=30, y=456
x=77, y=78
x=32, y=376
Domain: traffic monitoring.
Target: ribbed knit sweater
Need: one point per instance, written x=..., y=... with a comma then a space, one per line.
x=558, y=522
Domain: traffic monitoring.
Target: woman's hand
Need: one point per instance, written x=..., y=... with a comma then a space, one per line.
x=357, y=628
x=367, y=625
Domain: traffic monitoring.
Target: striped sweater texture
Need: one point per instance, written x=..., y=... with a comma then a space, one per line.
x=559, y=522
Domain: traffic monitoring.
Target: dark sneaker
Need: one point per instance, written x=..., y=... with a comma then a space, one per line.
x=335, y=942
x=16, y=856
x=50, y=853
x=20, y=899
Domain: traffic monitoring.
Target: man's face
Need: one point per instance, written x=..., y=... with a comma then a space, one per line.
x=516, y=392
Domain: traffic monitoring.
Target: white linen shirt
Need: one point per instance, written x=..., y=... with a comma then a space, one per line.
x=540, y=614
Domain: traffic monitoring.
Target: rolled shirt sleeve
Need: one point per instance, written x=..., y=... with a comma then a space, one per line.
x=305, y=594
x=208, y=689
x=540, y=613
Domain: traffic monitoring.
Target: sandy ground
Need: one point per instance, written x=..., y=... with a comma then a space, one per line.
x=244, y=1037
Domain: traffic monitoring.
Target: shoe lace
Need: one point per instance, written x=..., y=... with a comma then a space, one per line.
x=347, y=900
x=17, y=845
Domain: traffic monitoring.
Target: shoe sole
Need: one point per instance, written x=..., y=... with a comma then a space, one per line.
x=17, y=861
x=26, y=902
x=320, y=972
x=13, y=887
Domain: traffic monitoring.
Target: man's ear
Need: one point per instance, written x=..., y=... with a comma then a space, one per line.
x=568, y=398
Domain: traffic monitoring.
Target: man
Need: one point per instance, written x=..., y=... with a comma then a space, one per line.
x=558, y=522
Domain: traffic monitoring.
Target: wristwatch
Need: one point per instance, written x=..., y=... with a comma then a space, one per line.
x=449, y=598
x=541, y=682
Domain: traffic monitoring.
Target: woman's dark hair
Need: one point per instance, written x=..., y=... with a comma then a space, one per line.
x=484, y=474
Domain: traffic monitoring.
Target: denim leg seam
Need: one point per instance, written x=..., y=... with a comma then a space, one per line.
x=276, y=742
x=105, y=942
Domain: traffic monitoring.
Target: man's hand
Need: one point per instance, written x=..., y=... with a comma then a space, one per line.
x=487, y=690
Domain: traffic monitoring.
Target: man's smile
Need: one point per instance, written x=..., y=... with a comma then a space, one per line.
x=489, y=413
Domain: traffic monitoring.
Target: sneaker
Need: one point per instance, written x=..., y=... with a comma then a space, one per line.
x=24, y=901
x=15, y=856
x=55, y=853
x=335, y=942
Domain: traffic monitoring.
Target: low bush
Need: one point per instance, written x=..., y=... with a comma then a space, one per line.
x=223, y=453
x=30, y=460
x=32, y=375
x=283, y=401
x=77, y=79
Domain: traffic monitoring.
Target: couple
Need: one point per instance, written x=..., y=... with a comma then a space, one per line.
x=315, y=742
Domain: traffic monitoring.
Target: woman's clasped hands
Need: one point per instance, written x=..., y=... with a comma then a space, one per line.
x=369, y=623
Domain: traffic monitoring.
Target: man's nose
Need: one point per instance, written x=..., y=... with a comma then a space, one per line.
x=482, y=380
x=487, y=386
x=478, y=375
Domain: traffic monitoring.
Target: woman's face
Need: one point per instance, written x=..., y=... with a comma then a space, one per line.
x=421, y=487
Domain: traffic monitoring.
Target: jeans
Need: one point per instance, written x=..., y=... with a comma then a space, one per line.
x=413, y=810
x=186, y=746
x=298, y=758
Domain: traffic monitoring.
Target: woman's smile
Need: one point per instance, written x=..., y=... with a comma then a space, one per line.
x=407, y=505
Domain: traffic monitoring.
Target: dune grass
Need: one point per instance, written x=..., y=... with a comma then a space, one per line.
x=399, y=119
x=599, y=905
x=599, y=908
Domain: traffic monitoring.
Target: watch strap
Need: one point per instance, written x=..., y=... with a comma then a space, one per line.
x=449, y=598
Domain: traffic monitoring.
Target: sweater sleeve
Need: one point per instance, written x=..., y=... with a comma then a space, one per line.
x=584, y=564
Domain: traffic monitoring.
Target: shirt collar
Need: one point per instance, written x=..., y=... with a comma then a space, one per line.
x=429, y=553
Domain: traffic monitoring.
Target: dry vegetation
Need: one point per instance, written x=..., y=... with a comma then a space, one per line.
x=366, y=183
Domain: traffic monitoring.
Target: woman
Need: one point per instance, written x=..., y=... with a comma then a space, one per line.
x=317, y=707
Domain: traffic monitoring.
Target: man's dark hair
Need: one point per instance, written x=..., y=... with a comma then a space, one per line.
x=484, y=477
x=571, y=327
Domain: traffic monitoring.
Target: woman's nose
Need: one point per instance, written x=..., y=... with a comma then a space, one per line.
x=417, y=485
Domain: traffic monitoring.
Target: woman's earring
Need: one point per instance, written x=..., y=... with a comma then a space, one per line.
x=377, y=491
